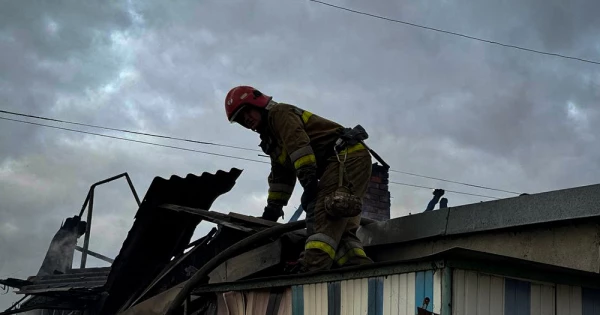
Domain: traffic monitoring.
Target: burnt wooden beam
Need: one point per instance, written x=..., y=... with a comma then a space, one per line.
x=251, y=220
x=211, y=216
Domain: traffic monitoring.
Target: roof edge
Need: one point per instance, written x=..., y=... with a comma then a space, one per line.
x=528, y=210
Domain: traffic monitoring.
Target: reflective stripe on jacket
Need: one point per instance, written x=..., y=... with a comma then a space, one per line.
x=303, y=140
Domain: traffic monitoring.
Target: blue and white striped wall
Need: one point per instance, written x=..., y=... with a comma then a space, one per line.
x=482, y=294
x=472, y=293
x=398, y=294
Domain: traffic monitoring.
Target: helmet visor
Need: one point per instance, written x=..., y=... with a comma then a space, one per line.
x=237, y=115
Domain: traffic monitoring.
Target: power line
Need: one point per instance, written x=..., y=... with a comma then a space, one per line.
x=128, y=131
x=455, y=182
x=229, y=146
x=452, y=191
x=198, y=151
x=456, y=34
x=137, y=141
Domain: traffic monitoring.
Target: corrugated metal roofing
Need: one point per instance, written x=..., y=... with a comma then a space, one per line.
x=78, y=280
x=158, y=234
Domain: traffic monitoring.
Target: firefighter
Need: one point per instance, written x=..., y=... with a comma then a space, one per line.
x=331, y=164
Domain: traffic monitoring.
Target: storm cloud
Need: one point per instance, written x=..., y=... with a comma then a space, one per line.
x=433, y=103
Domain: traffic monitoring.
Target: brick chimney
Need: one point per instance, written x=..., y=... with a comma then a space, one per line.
x=377, y=204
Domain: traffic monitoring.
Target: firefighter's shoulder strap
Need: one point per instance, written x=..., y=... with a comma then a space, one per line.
x=353, y=136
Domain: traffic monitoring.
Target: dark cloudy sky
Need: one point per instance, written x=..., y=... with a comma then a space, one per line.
x=433, y=104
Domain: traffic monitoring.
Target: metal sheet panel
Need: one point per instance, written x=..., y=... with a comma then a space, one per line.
x=568, y=300
x=325, y=301
x=334, y=294
x=354, y=295
x=308, y=296
x=309, y=299
x=234, y=302
x=576, y=305
x=542, y=299
x=322, y=300
x=315, y=298
x=387, y=293
x=157, y=234
x=484, y=285
x=375, y=299
x=257, y=301
x=475, y=293
x=361, y=293
x=424, y=289
x=482, y=294
x=517, y=297
x=344, y=306
x=591, y=301
x=437, y=292
x=496, y=296
x=410, y=291
x=298, y=300
x=471, y=292
x=458, y=292
x=399, y=294
x=285, y=307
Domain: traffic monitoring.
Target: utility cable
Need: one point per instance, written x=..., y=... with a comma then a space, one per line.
x=137, y=141
x=230, y=146
x=198, y=151
x=128, y=131
x=452, y=191
x=455, y=182
x=456, y=34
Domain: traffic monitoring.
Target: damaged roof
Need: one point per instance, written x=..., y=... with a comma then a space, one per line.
x=76, y=281
x=74, y=290
x=455, y=257
x=172, y=208
x=158, y=234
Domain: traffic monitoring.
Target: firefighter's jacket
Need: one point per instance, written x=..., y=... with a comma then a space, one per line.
x=298, y=139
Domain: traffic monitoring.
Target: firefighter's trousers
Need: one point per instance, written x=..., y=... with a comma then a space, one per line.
x=333, y=239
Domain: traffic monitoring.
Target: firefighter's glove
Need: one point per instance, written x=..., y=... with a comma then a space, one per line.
x=272, y=212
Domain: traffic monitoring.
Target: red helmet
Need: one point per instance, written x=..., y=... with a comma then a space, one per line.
x=242, y=96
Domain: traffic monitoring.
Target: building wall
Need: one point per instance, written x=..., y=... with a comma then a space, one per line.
x=483, y=294
x=377, y=203
x=398, y=294
x=572, y=246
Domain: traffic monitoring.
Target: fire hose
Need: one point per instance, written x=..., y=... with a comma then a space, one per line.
x=232, y=251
